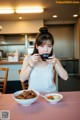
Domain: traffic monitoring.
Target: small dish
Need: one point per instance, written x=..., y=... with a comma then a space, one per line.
x=53, y=98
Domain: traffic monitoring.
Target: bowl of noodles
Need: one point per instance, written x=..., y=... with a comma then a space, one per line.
x=26, y=97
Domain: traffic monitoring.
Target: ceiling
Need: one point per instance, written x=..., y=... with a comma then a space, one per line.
x=64, y=11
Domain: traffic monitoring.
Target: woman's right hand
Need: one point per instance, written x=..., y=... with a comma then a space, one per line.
x=34, y=58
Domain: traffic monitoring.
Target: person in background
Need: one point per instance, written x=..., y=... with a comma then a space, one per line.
x=38, y=67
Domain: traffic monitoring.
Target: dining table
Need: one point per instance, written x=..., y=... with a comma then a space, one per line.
x=66, y=109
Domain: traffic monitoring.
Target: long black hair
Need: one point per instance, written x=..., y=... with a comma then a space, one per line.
x=42, y=37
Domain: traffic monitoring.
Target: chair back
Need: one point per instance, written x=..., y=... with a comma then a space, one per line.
x=55, y=75
x=24, y=84
x=3, y=79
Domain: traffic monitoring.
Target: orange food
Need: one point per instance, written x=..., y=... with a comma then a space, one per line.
x=50, y=97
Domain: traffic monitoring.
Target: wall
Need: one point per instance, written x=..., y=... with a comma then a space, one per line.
x=13, y=74
x=79, y=45
x=77, y=41
x=31, y=26
x=64, y=40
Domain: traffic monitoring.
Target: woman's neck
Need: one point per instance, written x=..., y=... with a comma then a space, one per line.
x=41, y=63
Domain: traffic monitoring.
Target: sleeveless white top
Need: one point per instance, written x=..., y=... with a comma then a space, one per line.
x=41, y=79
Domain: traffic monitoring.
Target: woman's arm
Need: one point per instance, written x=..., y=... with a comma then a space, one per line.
x=60, y=70
x=26, y=69
x=28, y=64
x=58, y=67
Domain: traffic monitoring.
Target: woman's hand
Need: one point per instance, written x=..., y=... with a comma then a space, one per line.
x=58, y=67
x=34, y=58
x=52, y=59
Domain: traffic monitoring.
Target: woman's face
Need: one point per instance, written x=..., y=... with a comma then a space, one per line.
x=46, y=47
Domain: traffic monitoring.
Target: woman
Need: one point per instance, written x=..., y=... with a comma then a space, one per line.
x=38, y=69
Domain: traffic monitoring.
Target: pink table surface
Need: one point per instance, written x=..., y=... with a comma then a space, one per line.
x=67, y=109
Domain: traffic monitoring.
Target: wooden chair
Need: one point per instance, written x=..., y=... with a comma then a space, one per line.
x=3, y=79
x=55, y=76
x=56, y=79
x=24, y=84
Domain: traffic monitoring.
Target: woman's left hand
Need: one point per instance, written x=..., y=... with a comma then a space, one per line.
x=51, y=59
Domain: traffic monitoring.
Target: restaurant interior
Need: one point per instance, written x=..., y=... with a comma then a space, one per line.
x=19, y=25
x=19, y=30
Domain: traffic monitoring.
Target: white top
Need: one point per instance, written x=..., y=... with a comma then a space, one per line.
x=41, y=79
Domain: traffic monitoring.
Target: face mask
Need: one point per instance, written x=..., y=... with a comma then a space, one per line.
x=44, y=56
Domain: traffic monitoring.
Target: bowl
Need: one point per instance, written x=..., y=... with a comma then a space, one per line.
x=28, y=100
x=53, y=98
x=44, y=56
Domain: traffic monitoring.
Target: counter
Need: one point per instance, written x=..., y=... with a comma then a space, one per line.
x=71, y=65
x=21, y=61
x=68, y=59
x=6, y=62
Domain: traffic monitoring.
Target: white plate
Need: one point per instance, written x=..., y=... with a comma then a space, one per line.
x=57, y=97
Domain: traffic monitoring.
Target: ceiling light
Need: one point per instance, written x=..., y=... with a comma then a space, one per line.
x=75, y=15
x=20, y=18
x=6, y=11
x=68, y=1
x=54, y=16
x=29, y=10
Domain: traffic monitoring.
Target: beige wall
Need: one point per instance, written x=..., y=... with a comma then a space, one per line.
x=79, y=45
x=77, y=39
x=63, y=40
x=31, y=26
